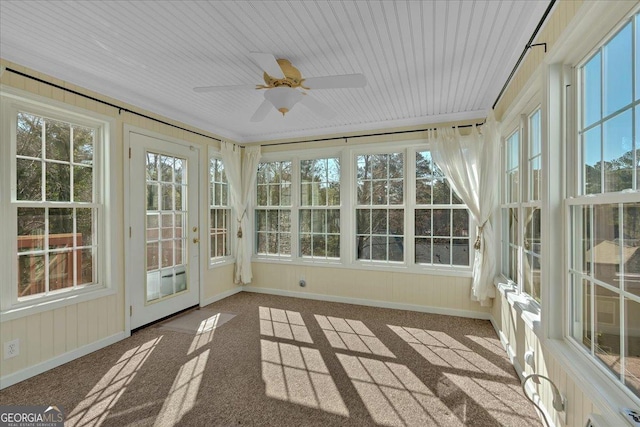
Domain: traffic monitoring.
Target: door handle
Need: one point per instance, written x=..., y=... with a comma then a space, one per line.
x=196, y=240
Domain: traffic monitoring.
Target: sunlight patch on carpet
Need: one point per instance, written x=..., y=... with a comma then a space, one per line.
x=440, y=349
x=184, y=391
x=299, y=375
x=347, y=334
x=395, y=396
x=95, y=407
x=286, y=324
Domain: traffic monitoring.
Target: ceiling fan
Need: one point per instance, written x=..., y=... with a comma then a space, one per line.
x=282, y=83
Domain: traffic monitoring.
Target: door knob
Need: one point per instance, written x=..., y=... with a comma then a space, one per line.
x=196, y=240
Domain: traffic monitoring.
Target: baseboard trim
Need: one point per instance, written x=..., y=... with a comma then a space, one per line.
x=370, y=303
x=221, y=295
x=32, y=371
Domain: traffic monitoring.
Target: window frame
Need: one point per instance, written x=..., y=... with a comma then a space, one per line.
x=224, y=259
x=521, y=125
x=577, y=196
x=347, y=156
x=14, y=101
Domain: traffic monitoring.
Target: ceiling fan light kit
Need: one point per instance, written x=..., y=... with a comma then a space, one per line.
x=282, y=81
x=283, y=98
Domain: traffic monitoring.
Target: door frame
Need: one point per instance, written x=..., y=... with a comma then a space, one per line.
x=128, y=268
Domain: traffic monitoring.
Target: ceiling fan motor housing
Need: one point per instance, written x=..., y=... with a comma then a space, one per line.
x=292, y=75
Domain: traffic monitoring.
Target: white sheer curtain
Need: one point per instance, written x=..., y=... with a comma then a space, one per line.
x=471, y=165
x=241, y=174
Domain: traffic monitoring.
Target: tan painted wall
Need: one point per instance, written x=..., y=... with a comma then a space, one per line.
x=46, y=335
x=425, y=292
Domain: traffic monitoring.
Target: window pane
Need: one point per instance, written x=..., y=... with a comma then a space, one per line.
x=319, y=245
x=423, y=222
x=305, y=220
x=606, y=250
x=631, y=249
x=363, y=221
x=333, y=221
x=333, y=246
x=396, y=248
x=460, y=223
x=592, y=83
x=423, y=251
x=29, y=136
x=84, y=227
x=60, y=270
x=60, y=228
x=423, y=192
x=395, y=192
x=632, y=346
x=607, y=333
x=617, y=71
x=379, y=248
x=441, y=192
x=618, y=153
x=83, y=145
x=58, y=182
x=441, y=251
x=82, y=184
x=442, y=222
x=592, y=156
x=85, y=260
x=28, y=180
x=460, y=251
x=379, y=221
x=305, y=245
x=532, y=230
x=31, y=227
x=57, y=140
x=31, y=275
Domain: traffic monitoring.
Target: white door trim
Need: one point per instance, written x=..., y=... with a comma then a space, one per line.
x=128, y=269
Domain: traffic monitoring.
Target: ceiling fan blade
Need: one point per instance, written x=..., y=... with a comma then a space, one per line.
x=261, y=112
x=222, y=88
x=268, y=63
x=336, y=82
x=318, y=107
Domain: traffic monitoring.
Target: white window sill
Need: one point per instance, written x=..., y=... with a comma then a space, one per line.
x=38, y=306
x=526, y=307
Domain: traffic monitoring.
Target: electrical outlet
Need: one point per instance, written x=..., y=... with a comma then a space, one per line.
x=11, y=349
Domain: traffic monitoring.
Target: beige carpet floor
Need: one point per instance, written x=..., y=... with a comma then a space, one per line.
x=262, y=360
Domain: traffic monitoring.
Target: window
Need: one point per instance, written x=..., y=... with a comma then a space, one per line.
x=273, y=209
x=511, y=197
x=376, y=219
x=219, y=210
x=521, y=206
x=320, y=208
x=56, y=205
x=604, y=215
x=380, y=207
x=441, y=219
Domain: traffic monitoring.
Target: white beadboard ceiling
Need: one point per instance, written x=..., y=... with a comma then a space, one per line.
x=425, y=61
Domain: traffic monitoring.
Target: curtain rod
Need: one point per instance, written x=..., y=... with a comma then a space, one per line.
x=524, y=51
x=119, y=108
x=333, y=138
